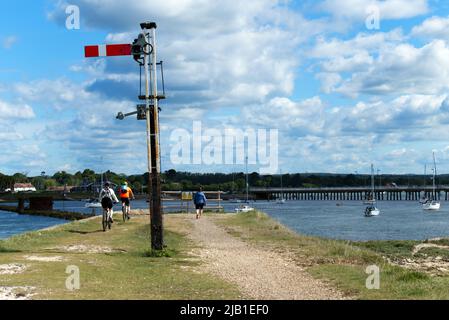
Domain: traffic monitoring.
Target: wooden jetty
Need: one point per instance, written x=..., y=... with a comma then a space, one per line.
x=399, y=193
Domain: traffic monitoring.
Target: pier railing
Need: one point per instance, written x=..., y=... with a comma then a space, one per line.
x=408, y=193
x=182, y=201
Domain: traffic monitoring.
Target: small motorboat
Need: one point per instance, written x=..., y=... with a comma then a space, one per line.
x=93, y=204
x=280, y=201
x=372, y=211
x=244, y=209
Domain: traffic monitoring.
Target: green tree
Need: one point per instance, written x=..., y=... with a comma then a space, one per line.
x=20, y=178
x=50, y=183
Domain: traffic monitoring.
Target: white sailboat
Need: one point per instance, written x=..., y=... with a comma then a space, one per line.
x=281, y=200
x=95, y=203
x=372, y=210
x=246, y=208
x=432, y=204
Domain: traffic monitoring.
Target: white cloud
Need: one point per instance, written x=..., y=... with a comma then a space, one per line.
x=220, y=53
x=389, y=9
x=329, y=81
x=433, y=28
x=283, y=113
x=58, y=94
x=9, y=111
x=402, y=114
x=403, y=69
x=381, y=64
x=223, y=57
x=360, y=44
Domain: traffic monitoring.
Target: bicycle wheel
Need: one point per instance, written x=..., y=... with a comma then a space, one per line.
x=105, y=222
x=124, y=213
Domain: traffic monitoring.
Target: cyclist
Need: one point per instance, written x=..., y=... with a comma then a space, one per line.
x=125, y=195
x=107, y=199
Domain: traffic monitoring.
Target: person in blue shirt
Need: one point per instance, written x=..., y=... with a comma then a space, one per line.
x=200, y=201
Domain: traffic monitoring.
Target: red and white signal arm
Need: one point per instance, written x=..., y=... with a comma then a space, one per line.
x=109, y=50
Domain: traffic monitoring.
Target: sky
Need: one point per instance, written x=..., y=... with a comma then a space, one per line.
x=342, y=88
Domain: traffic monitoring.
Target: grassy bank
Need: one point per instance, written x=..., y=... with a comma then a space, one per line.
x=118, y=264
x=344, y=263
x=113, y=265
x=71, y=216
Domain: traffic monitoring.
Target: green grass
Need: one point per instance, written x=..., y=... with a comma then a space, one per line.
x=133, y=271
x=130, y=271
x=342, y=263
x=441, y=242
x=390, y=249
x=434, y=252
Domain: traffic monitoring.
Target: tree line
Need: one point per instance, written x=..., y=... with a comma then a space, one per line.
x=230, y=182
x=6, y=182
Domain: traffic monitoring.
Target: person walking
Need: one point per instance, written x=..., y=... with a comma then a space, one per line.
x=200, y=201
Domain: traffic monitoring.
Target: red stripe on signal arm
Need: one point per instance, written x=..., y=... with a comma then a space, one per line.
x=118, y=50
x=91, y=51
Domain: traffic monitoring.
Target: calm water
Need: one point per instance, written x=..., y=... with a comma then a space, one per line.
x=13, y=223
x=400, y=220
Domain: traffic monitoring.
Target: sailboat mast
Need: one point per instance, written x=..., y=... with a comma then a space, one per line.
x=434, y=175
x=282, y=187
x=425, y=174
x=247, y=181
x=372, y=181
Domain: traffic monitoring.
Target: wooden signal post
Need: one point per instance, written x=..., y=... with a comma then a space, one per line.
x=145, y=45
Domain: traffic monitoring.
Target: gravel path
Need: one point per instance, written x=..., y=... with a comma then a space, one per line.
x=259, y=274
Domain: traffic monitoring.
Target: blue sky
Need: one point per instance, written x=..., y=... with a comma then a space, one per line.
x=342, y=96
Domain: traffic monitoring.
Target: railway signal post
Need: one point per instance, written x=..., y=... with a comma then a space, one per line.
x=144, y=51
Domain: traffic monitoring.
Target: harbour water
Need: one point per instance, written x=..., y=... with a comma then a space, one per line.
x=399, y=220
x=12, y=223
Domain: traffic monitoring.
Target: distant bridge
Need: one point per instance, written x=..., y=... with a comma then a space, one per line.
x=399, y=193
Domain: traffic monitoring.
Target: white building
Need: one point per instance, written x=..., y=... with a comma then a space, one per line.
x=24, y=187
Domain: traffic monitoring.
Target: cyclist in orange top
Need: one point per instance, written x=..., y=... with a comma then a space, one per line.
x=125, y=195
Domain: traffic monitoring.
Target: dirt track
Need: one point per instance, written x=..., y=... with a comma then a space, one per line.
x=259, y=274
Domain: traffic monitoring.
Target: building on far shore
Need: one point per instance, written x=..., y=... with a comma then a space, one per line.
x=22, y=187
x=64, y=189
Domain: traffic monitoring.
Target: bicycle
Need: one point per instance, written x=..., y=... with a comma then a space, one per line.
x=125, y=211
x=106, y=220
